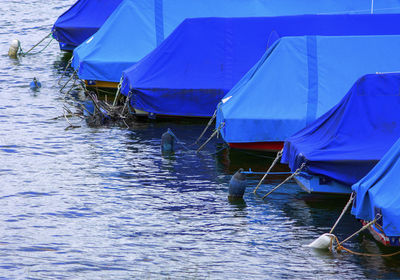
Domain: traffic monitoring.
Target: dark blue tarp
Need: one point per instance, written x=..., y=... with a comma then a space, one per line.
x=137, y=27
x=81, y=21
x=189, y=73
x=345, y=143
x=378, y=192
x=297, y=80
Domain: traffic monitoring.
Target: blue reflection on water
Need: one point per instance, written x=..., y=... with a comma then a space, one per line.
x=104, y=203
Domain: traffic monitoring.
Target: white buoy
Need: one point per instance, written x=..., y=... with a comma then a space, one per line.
x=322, y=242
x=14, y=48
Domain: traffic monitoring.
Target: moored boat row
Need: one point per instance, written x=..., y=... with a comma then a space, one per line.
x=303, y=76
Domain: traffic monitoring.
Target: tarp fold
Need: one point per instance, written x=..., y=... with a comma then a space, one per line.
x=298, y=80
x=346, y=142
x=81, y=21
x=198, y=63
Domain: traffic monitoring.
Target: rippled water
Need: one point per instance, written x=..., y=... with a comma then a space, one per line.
x=102, y=203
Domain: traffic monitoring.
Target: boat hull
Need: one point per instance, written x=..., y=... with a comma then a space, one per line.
x=143, y=114
x=317, y=184
x=67, y=48
x=381, y=237
x=101, y=84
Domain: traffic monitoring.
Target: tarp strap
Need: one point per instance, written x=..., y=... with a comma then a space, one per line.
x=159, y=21
x=312, y=100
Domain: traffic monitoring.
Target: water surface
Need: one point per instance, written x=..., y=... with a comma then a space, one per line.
x=102, y=203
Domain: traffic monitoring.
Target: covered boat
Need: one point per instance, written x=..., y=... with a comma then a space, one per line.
x=192, y=70
x=378, y=193
x=297, y=80
x=137, y=27
x=81, y=21
x=343, y=145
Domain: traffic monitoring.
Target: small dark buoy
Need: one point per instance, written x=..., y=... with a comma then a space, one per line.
x=167, y=142
x=35, y=84
x=237, y=185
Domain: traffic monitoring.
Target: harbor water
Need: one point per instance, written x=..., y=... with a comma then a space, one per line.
x=103, y=203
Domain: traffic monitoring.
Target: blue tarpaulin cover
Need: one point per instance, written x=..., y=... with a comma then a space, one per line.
x=137, y=27
x=378, y=192
x=189, y=73
x=81, y=21
x=345, y=143
x=297, y=80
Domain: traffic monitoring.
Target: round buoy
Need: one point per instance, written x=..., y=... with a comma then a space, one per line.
x=323, y=242
x=167, y=142
x=35, y=84
x=14, y=48
x=237, y=185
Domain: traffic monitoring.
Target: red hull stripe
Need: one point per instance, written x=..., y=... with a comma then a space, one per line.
x=258, y=146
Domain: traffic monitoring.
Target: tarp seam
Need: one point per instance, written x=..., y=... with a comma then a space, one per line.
x=312, y=99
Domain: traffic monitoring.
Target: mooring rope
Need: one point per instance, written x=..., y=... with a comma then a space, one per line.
x=278, y=156
x=363, y=254
x=102, y=108
x=96, y=103
x=98, y=90
x=377, y=217
x=177, y=140
x=70, y=124
x=207, y=126
x=221, y=125
x=70, y=78
x=186, y=147
x=84, y=109
x=297, y=172
x=45, y=47
x=65, y=70
x=225, y=146
x=37, y=44
x=343, y=211
x=340, y=247
x=73, y=85
x=118, y=90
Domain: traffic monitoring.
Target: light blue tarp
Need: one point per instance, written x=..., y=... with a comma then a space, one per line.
x=379, y=192
x=81, y=21
x=299, y=79
x=189, y=73
x=137, y=27
x=345, y=143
